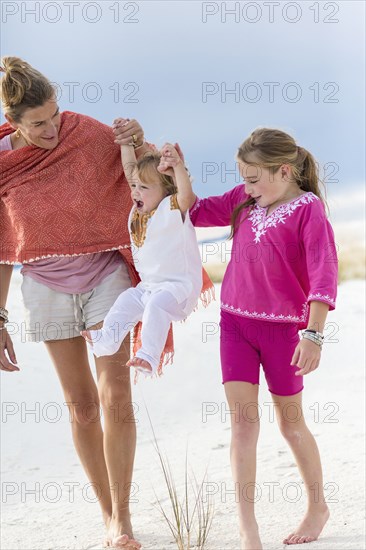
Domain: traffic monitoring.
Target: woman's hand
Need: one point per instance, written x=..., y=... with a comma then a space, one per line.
x=128, y=132
x=306, y=357
x=7, y=344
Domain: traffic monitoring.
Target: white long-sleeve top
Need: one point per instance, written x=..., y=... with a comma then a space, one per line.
x=169, y=257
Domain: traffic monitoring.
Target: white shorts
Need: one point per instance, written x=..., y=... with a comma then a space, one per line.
x=53, y=315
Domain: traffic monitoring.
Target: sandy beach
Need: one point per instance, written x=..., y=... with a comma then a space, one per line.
x=47, y=502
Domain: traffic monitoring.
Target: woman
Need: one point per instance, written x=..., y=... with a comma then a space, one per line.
x=63, y=216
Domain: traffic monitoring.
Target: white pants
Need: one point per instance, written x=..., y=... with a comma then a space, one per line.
x=155, y=309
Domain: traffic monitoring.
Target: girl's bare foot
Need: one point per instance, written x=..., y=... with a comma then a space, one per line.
x=310, y=527
x=139, y=364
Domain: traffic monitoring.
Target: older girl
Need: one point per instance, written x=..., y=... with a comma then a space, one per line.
x=282, y=277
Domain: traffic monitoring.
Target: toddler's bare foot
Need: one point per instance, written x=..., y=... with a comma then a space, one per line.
x=310, y=527
x=139, y=364
x=87, y=336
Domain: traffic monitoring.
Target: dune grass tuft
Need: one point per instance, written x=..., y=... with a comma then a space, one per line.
x=188, y=514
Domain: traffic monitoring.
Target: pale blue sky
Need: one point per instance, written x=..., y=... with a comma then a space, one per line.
x=167, y=51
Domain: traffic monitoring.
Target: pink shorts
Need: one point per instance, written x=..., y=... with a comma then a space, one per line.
x=245, y=344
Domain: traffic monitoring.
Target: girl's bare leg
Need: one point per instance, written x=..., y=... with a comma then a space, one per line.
x=245, y=432
x=71, y=362
x=303, y=445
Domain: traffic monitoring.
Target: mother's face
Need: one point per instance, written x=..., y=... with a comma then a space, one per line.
x=40, y=125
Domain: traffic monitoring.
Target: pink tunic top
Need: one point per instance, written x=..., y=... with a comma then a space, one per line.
x=73, y=275
x=279, y=263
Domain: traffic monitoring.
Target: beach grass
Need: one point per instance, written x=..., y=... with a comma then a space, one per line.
x=189, y=512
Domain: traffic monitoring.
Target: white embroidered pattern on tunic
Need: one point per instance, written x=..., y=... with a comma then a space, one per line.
x=322, y=297
x=260, y=223
x=269, y=316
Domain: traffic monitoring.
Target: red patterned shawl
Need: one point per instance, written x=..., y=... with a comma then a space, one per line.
x=70, y=200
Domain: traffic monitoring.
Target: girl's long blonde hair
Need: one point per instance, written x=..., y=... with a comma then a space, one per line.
x=271, y=148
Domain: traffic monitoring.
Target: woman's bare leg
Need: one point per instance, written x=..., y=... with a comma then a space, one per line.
x=71, y=362
x=245, y=432
x=119, y=439
x=302, y=443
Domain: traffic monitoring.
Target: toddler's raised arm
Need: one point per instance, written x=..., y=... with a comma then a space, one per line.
x=172, y=160
x=128, y=157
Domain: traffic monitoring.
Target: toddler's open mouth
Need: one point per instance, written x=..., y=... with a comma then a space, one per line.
x=139, y=204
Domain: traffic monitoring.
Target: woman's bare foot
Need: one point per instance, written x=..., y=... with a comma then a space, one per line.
x=87, y=336
x=250, y=540
x=310, y=527
x=119, y=535
x=126, y=543
x=139, y=364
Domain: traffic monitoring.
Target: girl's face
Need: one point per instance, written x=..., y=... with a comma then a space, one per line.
x=147, y=196
x=268, y=188
x=40, y=125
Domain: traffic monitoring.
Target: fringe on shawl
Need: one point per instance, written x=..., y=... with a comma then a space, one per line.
x=167, y=355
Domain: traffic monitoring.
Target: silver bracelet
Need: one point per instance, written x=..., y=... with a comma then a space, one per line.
x=4, y=314
x=313, y=337
x=315, y=333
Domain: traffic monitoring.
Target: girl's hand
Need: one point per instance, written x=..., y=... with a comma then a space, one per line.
x=306, y=357
x=171, y=156
x=7, y=344
x=127, y=132
x=179, y=150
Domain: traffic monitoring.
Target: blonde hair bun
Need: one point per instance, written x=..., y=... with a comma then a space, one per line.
x=22, y=87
